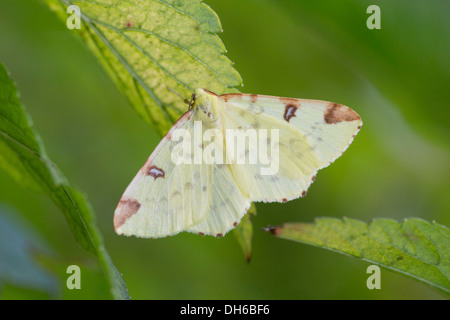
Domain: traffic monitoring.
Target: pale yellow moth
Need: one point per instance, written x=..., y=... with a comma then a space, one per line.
x=166, y=198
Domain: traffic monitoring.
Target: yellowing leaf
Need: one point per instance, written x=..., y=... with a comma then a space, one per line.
x=154, y=49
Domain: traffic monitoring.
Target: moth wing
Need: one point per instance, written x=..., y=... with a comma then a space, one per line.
x=228, y=204
x=164, y=198
x=312, y=134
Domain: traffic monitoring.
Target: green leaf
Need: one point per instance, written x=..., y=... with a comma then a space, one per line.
x=154, y=49
x=415, y=248
x=19, y=246
x=22, y=156
x=244, y=232
x=158, y=52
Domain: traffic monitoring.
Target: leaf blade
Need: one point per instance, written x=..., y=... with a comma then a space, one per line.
x=127, y=42
x=405, y=248
x=23, y=157
x=244, y=232
x=153, y=49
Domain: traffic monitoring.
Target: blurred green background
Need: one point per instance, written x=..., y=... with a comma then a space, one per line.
x=396, y=78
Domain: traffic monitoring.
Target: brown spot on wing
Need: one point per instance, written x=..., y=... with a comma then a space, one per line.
x=304, y=193
x=146, y=166
x=219, y=235
x=235, y=224
x=253, y=98
x=289, y=112
x=336, y=113
x=125, y=209
x=151, y=170
x=155, y=172
x=284, y=200
x=228, y=96
x=292, y=101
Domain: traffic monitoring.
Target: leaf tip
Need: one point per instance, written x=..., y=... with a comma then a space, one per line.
x=273, y=230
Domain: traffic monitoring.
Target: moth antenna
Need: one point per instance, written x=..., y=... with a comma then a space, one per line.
x=178, y=94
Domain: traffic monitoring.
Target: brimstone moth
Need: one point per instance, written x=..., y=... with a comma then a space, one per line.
x=200, y=195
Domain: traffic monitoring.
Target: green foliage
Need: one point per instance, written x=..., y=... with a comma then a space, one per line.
x=23, y=157
x=244, y=232
x=416, y=247
x=396, y=78
x=156, y=51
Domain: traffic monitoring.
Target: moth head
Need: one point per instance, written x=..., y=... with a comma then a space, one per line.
x=204, y=99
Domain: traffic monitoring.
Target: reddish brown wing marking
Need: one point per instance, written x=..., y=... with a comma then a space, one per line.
x=289, y=112
x=291, y=104
x=336, y=113
x=126, y=208
x=287, y=101
x=149, y=169
x=155, y=172
x=228, y=96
